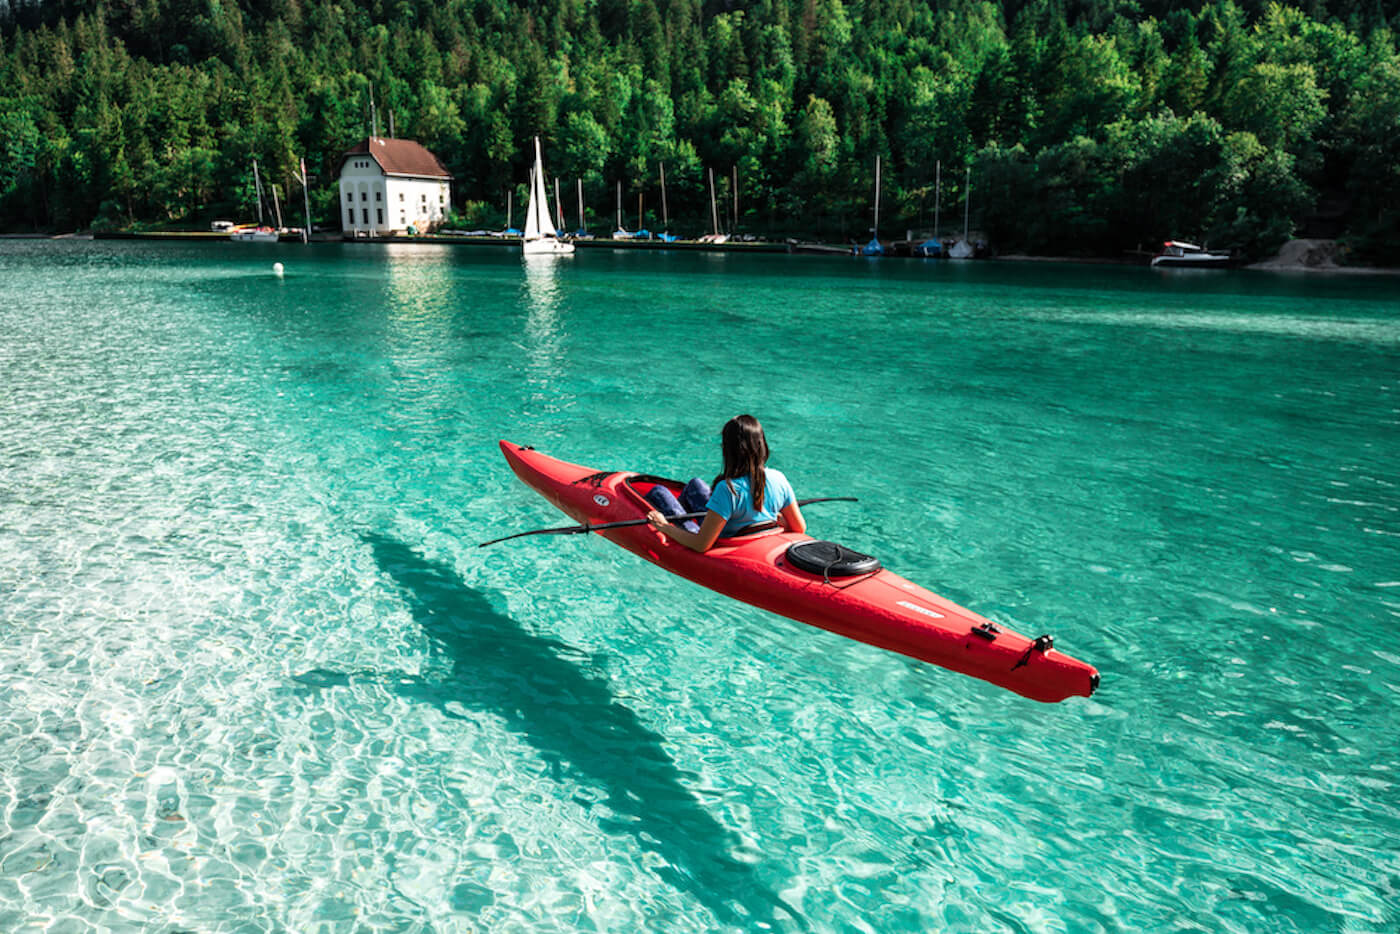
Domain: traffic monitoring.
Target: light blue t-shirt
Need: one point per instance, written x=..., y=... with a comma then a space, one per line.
x=733, y=500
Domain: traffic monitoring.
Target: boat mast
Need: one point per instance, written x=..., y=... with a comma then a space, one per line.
x=306, y=200
x=257, y=190
x=581, y=225
x=967, y=200
x=714, y=211
x=875, y=231
x=277, y=206
x=619, y=205
x=937, y=194
x=735, y=227
x=641, y=216
x=558, y=202
x=665, y=218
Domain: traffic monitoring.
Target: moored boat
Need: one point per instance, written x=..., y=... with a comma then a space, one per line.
x=773, y=569
x=254, y=233
x=1179, y=254
x=540, y=237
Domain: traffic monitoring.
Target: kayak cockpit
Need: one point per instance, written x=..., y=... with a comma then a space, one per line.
x=641, y=484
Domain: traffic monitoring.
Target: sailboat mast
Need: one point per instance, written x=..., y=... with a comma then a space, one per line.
x=875, y=231
x=306, y=201
x=619, y=205
x=581, y=225
x=277, y=207
x=665, y=218
x=714, y=211
x=735, y=176
x=257, y=190
x=641, y=216
x=558, y=202
x=967, y=200
x=937, y=194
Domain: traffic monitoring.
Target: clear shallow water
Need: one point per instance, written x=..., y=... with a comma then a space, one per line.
x=255, y=674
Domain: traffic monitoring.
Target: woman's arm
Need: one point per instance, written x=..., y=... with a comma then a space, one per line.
x=791, y=518
x=700, y=541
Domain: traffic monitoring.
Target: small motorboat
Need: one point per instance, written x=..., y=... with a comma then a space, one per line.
x=1181, y=255
x=248, y=232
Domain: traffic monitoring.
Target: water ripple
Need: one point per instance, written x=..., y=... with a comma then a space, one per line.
x=225, y=706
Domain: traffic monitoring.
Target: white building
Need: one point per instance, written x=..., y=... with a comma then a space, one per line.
x=389, y=185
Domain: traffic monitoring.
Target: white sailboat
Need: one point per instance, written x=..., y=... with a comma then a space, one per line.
x=540, y=235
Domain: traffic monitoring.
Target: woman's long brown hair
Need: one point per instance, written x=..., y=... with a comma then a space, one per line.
x=745, y=453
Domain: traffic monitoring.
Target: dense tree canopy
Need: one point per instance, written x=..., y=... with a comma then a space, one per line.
x=1088, y=127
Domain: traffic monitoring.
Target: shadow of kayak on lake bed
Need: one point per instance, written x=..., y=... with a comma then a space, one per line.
x=551, y=695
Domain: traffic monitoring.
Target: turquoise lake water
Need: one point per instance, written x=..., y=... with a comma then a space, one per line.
x=255, y=675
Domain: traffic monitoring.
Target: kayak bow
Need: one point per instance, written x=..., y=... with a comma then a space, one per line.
x=879, y=608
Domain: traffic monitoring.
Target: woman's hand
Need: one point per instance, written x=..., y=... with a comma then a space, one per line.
x=657, y=520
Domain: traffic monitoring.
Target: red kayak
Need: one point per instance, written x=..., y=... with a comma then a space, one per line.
x=775, y=569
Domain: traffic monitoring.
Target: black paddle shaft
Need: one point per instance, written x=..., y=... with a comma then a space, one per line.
x=602, y=526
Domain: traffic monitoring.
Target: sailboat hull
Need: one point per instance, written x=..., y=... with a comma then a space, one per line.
x=547, y=246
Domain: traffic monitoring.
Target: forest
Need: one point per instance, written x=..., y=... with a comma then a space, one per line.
x=1085, y=128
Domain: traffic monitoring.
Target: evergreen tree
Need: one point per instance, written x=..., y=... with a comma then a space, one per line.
x=1090, y=125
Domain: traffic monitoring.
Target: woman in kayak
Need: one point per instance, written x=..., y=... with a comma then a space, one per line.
x=746, y=493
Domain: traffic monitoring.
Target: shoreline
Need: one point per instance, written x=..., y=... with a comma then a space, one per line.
x=757, y=246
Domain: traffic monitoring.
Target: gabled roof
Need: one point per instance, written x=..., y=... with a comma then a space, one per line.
x=398, y=157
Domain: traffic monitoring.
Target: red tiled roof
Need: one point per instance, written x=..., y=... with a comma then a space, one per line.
x=399, y=157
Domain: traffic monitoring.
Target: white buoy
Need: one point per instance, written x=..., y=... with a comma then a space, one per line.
x=277, y=269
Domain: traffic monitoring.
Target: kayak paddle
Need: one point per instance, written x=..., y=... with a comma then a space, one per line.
x=586, y=527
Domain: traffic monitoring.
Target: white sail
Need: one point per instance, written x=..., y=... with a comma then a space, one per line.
x=538, y=223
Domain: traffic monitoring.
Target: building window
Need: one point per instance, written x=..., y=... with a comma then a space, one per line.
x=379, y=216
x=400, y=196
x=350, y=217
x=349, y=196
x=377, y=196
x=365, y=212
x=364, y=196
